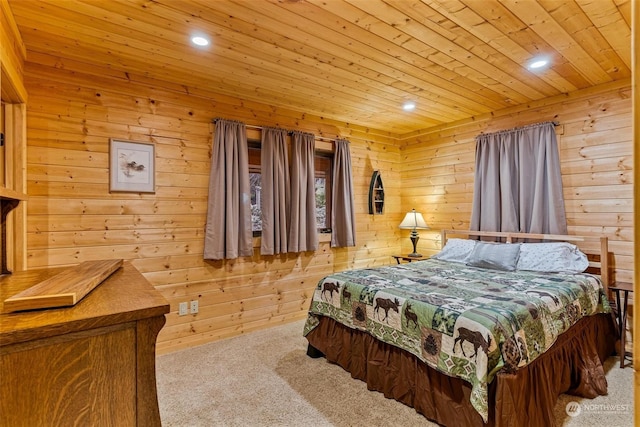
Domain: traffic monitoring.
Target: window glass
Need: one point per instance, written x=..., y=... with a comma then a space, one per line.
x=255, y=181
x=321, y=202
x=256, y=187
x=323, y=163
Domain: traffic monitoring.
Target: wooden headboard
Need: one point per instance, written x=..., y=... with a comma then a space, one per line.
x=598, y=261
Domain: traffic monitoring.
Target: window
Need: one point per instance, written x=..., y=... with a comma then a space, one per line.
x=255, y=182
x=323, y=173
x=323, y=165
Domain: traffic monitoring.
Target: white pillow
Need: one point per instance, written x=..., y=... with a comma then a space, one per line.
x=456, y=250
x=497, y=256
x=556, y=257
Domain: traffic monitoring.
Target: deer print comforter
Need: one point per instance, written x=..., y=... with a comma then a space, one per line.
x=464, y=321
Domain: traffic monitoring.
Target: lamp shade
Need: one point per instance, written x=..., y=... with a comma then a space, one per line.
x=413, y=220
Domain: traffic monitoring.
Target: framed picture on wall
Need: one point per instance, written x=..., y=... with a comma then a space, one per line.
x=131, y=166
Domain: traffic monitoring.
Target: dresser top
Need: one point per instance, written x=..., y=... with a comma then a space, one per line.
x=125, y=296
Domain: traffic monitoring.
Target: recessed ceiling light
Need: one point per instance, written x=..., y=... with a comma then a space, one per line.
x=200, y=40
x=538, y=63
x=409, y=106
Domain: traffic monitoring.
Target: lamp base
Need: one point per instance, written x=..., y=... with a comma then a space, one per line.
x=414, y=240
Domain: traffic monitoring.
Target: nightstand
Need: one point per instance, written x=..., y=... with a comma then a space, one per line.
x=621, y=313
x=409, y=258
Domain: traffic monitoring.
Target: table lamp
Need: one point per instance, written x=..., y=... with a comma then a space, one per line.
x=413, y=221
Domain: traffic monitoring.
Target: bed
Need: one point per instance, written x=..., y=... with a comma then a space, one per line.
x=483, y=333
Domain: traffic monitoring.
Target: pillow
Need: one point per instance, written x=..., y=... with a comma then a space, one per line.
x=455, y=250
x=556, y=257
x=497, y=256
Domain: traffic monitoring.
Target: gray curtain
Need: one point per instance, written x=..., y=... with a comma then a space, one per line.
x=303, y=231
x=275, y=191
x=343, y=220
x=228, y=231
x=518, y=185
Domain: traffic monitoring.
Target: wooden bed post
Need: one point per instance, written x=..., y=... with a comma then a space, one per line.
x=604, y=264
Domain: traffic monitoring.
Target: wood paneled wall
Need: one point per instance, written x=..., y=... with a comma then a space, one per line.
x=12, y=54
x=13, y=95
x=596, y=153
x=73, y=111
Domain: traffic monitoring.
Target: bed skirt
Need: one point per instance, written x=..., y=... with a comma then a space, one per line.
x=527, y=397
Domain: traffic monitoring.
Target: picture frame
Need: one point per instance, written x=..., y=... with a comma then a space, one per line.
x=131, y=166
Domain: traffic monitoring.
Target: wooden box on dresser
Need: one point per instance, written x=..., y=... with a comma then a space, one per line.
x=91, y=364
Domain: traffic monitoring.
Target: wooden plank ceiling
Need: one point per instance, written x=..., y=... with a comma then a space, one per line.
x=355, y=61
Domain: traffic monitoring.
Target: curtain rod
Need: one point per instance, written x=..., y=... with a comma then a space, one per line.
x=554, y=122
x=321, y=138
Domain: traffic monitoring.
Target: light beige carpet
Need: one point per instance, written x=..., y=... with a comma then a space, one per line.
x=265, y=379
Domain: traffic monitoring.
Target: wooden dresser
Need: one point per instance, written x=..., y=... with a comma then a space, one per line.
x=92, y=364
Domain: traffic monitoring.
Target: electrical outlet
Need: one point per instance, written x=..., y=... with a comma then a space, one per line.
x=194, y=307
x=183, y=309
